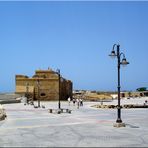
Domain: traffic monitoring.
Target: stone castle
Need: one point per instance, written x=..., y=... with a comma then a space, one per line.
x=44, y=85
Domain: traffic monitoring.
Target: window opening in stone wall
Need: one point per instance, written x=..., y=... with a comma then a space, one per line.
x=42, y=94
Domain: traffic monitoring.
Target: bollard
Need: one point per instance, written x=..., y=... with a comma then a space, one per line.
x=59, y=111
x=67, y=110
x=50, y=110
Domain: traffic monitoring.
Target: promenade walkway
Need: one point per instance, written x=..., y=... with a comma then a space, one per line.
x=26, y=126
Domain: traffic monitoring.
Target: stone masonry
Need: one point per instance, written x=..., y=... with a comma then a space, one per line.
x=44, y=85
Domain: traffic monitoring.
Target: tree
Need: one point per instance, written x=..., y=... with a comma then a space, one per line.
x=141, y=89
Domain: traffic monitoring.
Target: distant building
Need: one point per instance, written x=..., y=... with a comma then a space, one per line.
x=114, y=96
x=134, y=94
x=44, y=85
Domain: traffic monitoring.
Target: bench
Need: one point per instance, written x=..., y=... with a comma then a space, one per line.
x=58, y=111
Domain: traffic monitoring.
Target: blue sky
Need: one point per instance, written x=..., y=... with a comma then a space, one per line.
x=77, y=38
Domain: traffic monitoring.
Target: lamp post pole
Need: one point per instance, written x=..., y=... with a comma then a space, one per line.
x=123, y=62
x=118, y=107
x=59, y=77
x=38, y=92
x=27, y=91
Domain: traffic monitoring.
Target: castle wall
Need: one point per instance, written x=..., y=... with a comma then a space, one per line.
x=44, y=85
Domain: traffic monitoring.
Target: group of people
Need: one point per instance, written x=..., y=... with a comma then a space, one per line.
x=78, y=102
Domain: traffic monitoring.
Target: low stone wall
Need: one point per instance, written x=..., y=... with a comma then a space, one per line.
x=123, y=106
x=2, y=113
x=7, y=98
x=9, y=101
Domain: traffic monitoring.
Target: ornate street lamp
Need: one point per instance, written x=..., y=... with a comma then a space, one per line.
x=27, y=91
x=59, y=78
x=123, y=62
x=38, y=90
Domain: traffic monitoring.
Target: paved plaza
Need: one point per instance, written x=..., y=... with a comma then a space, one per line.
x=87, y=126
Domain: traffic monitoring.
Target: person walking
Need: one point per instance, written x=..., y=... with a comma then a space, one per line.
x=69, y=101
x=74, y=100
x=81, y=102
x=78, y=103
